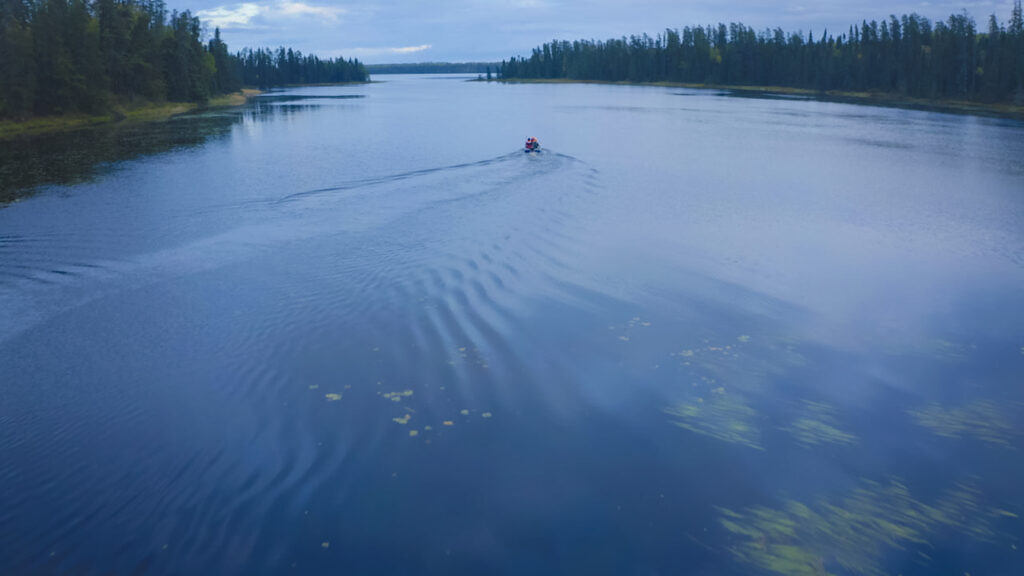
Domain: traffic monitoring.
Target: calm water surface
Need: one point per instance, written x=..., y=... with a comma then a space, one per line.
x=354, y=330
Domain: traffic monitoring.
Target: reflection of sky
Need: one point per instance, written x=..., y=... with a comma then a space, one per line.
x=465, y=30
x=746, y=315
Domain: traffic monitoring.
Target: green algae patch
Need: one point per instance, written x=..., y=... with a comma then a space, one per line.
x=723, y=416
x=817, y=425
x=332, y=397
x=146, y=112
x=629, y=327
x=469, y=356
x=982, y=420
x=854, y=533
x=397, y=396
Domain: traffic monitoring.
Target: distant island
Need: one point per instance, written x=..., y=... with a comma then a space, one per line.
x=70, y=62
x=901, y=57
x=434, y=68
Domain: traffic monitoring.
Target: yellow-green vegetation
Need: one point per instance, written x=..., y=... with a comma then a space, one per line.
x=707, y=355
x=723, y=415
x=47, y=124
x=633, y=323
x=332, y=397
x=404, y=419
x=486, y=415
x=397, y=396
x=817, y=425
x=852, y=533
x=151, y=112
x=466, y=356
x=982, y=420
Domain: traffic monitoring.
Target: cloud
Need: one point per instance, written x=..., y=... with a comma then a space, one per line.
x=363, y=52
x=409, y=49
x=288, y=8
x=236, y=16
x=398, y=30
x=252, y=15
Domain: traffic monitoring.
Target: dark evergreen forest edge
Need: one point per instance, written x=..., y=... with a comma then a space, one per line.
x=433, y=68
x=907, y=57
x=99, y=59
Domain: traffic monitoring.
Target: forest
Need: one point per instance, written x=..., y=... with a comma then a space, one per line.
x=433, y=68
x=910, y=56
x=62, y=57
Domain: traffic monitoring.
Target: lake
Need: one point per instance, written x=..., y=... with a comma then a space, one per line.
x=355, y=330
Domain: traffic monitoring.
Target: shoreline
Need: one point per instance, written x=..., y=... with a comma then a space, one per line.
x=883, y=99
x=153, y=112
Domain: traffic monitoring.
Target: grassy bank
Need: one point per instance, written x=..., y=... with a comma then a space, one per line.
x=10, y=129
x=1001, y=110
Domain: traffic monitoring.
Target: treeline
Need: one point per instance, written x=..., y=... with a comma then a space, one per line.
x=433, y=68
x=908, y=55
x=265, y=68
x=91, y=56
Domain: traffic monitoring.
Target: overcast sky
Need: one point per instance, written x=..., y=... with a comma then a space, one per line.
x=380, y=31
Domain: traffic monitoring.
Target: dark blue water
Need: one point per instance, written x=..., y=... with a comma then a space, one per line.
x=354, y=330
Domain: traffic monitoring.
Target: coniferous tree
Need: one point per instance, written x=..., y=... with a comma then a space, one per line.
x=88, y=56
x=908, y=55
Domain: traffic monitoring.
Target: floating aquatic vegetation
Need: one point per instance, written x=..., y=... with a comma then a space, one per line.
x=332, y=397
x=486, y=415
x=706, y=353
x=723, y=416
x=963, y=507
x=314, y=386
x=428, y=428
x=414, y=433
x=817, y=425
x=464, y=412
x=469, y=356
x=397, y=396
x=853, y=533
x=325, y=545
x=629, y=327
x=743, y=338
x=448, y=423
x=404, y=419
x=982, y=420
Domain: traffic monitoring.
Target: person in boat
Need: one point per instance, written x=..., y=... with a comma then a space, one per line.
x=532, y=143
